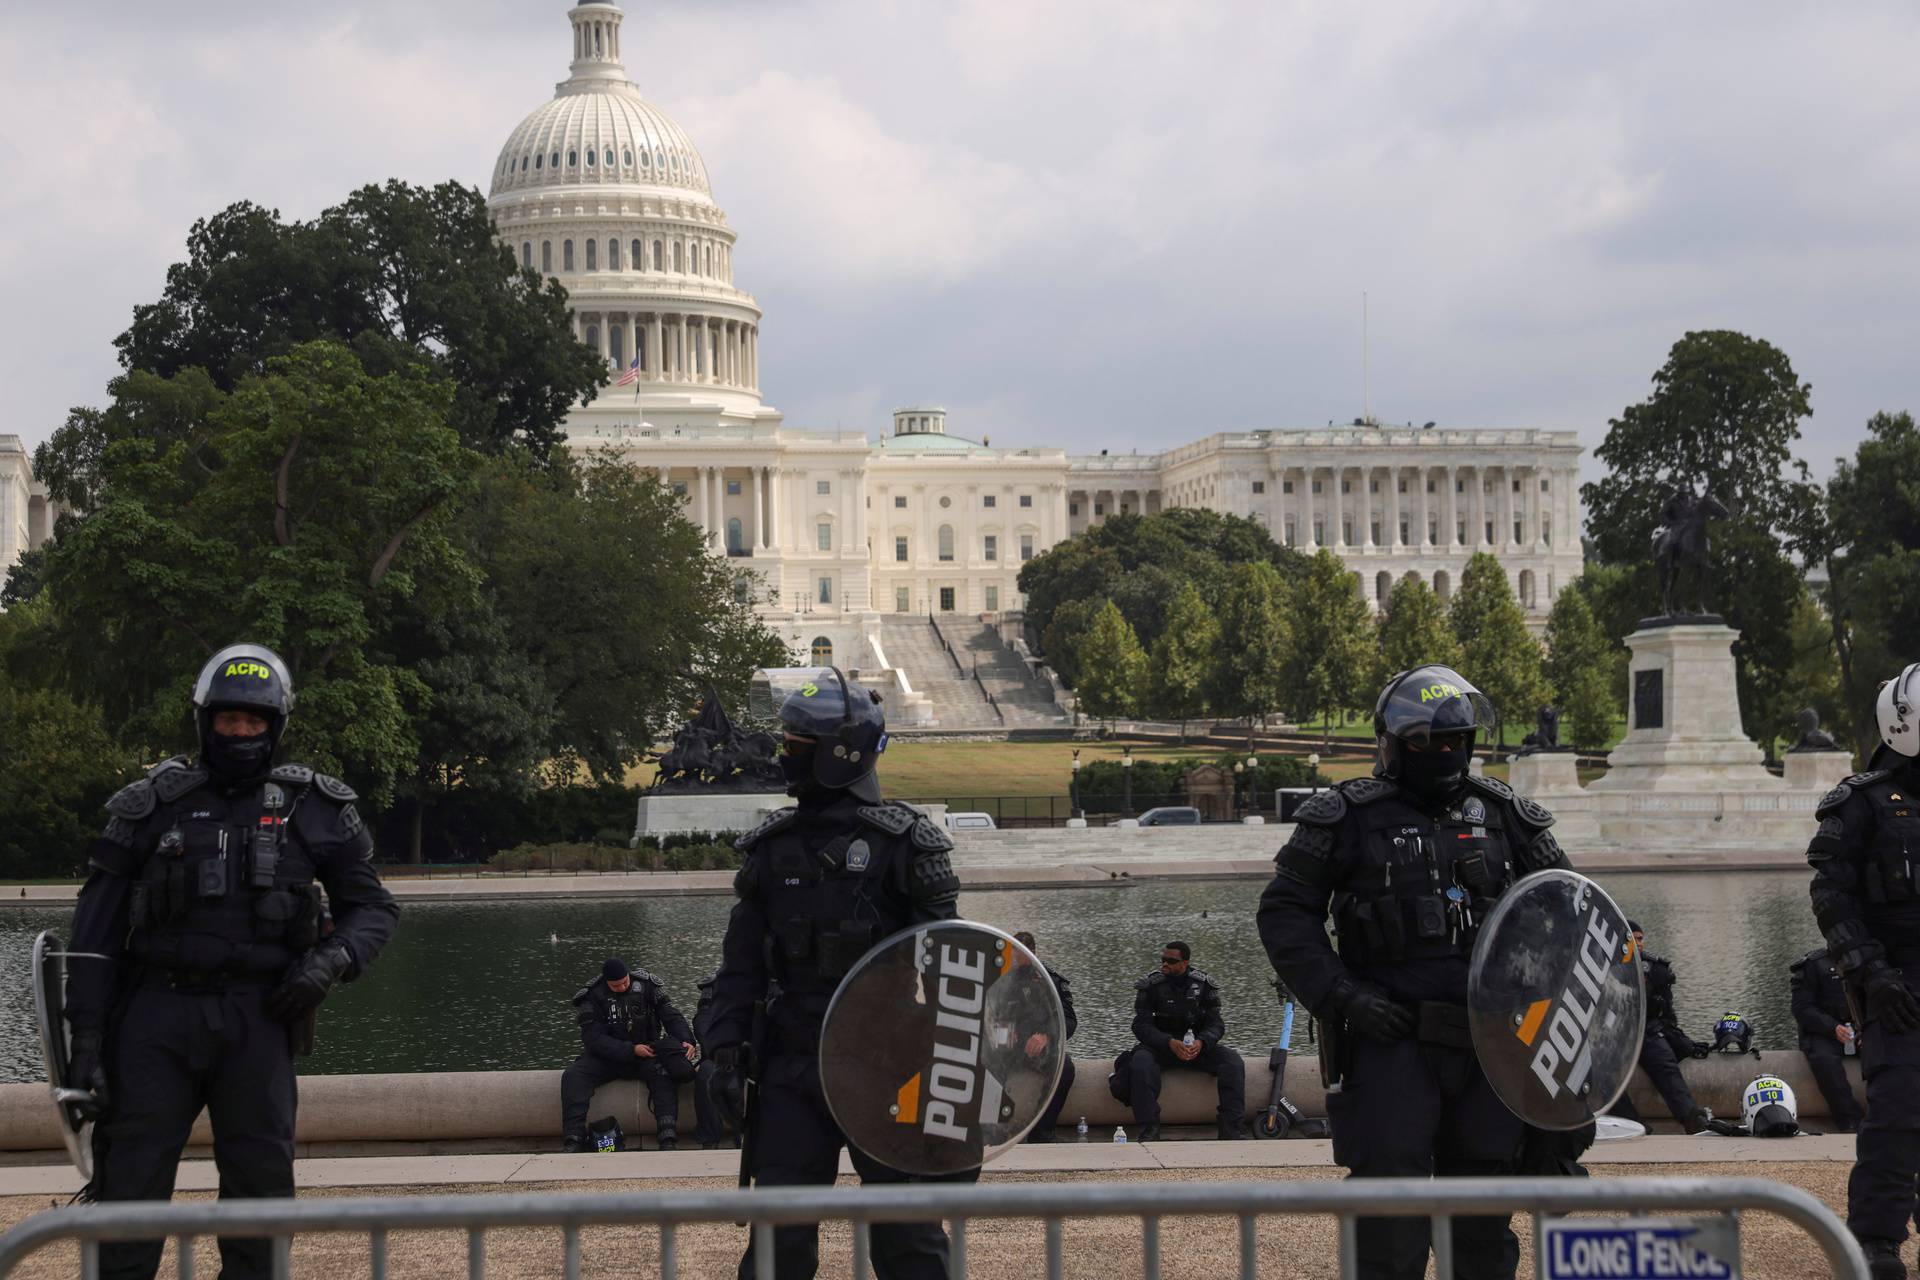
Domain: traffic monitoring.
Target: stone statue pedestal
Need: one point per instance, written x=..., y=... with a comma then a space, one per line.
x=1543, y=774
x=1817, y=770
x=1684, y=731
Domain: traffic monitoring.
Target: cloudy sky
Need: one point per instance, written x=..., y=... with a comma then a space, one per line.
x=1078, y=222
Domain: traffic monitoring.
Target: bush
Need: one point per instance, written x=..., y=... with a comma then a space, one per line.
x=1162, y=782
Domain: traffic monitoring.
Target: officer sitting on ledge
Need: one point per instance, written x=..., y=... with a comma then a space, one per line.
x=1177, y=1020
x=202, y=953
x=1827, y=1034
x=1664, y=1044
x=631, y=1032
x=1410, y=861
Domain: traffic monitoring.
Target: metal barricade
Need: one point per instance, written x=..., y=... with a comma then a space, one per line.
x=958, y=1205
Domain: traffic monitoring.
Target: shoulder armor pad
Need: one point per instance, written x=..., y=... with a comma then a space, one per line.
x=773, y=822
x=1202, y=976
x=134, y=801
x=1059, y=979
x=1322, y=808
x=1865, y=779
x=1492, y=786
x=930, y=837
x=641, y=975
x=1151, y=980
x=1816, y=957
x=1836, y=799
x=174, y=778
x=298, y=775
x=746, y=881
x=894, y=819
x=584, y=994
x=1367, y=790
x=334, y=789
x=1530, y=812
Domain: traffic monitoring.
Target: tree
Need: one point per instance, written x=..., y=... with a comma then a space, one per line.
x=1112, y=667
x=1183, y=660
x=1497, y=652
x=1725, y=412
x=1333, y=656
x=1413, y=630
x=1255, y=635
x=1579, y=670
x=403, y=274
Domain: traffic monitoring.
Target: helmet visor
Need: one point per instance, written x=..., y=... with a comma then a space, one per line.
x=809, y=701
x=1432, y=701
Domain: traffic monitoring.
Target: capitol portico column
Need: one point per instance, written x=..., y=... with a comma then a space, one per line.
x=1423, y=539
x=758, y=533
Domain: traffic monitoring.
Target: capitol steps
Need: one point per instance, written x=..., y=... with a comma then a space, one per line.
x=914, y=647
x=1025, y=699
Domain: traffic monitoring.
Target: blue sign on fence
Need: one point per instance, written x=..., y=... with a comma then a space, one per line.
x=1640, y=1249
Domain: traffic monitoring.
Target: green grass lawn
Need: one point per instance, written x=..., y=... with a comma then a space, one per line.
x=1363, y=728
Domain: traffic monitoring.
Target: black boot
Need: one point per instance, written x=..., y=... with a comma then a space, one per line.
x=1883, y=1260
x=669, y=1134
x=1234, y=1131
x=1149, y=1133
x=574, y=1144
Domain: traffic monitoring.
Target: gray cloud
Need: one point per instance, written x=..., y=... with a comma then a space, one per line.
x=1083, y=223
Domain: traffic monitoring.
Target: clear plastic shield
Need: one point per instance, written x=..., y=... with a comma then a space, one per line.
x=49, y=1009
x=1556, y=1000
x=942, y=1047
x=809, y=700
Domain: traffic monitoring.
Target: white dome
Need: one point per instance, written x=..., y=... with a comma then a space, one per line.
x=603, y=133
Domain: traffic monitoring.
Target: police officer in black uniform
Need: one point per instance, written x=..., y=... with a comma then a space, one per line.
x=1409, y=860
x=1178, y=1022
x=1663, y=1044
x=202, y=901
x=707, y=1129
x=1867, y=900
x=1826, y=1033
x=1043, y=1129
x=823, y=881
x=629, y=1030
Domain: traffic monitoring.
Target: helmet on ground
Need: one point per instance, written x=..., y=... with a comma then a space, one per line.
x=1424, y=724
x=1768, y=1108
x=842, y=717
x=242, y=677
x=1732, y=1032
x=1899, y=724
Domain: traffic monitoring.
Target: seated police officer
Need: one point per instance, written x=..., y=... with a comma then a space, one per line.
x=1043, y=1129
x=204, y=925
x=1827, y=1035
x=707, y=1129
x=630, y=1031
x=1409, y=860
x=823, y=881
x=1664, y=1044
x=1178, y=1023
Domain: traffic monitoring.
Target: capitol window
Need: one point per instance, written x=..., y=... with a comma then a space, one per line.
x=613, y=255
x=660, y=158
x=1373, y=486
x=659, y=262
x=946, y=542
x=609, y=157
x=537, y=161
x=627, y=155
x=593, y=255
x=945, y=501
x=566, y=255
x=990, y=500
x=823, y=536
x=826, y=591
x=1259, y=486
x=993, y=599
x=593, y=337
x=1026, y=546
x=589, y=159
x=899, y=502
x=823, y=486
x=990, y=548
x=638, y=257
x=1286, y=486
x=900, y=549
x=546, y=256
x=678, y=261
x=1316, y=486
x=573, y=158
x=523, y=164
x=554, y=163
x=733, y=488
x=526, y=254
x=1073, y=508
x=1026, y=499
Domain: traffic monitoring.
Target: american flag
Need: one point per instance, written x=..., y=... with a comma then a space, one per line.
x=631, y=375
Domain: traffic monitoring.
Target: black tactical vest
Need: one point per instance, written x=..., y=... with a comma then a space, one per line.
x=224, y=889
x=629, y=1015
x=827, y=905
x=1178, y=1004
x=1887, y=871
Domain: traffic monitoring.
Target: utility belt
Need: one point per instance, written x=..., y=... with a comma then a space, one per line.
x=199, y=981
x=1436, y=1022
x=1391, y=928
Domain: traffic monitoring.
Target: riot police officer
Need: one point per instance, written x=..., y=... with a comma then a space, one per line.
x=706, y=1118
x=1178, y=1022
x=1827, y=1033
x=202, y=903
x=823, y=881
x=629, y=1030
x=1867, y=901
x=1043, y=1129
x=1409, y=860
x=1663, y=1044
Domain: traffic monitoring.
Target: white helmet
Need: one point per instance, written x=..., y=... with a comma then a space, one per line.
x=1899, y=726
x=1768, y=1108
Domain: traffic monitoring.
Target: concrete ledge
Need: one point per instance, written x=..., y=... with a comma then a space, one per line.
x=517, y=1105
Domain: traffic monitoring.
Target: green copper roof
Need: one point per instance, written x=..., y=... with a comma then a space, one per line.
x=928, y=442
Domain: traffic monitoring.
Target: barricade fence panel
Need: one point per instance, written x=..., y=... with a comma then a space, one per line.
x=1151, y=1203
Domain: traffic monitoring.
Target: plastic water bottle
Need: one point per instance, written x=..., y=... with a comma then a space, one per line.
x=1081, y=1130
x=1852, y=1046
x=1187, y=1039
x=1119, y=1134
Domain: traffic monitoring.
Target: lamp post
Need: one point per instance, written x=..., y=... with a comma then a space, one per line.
x=1073, y=787
x=1239, y=795
x=1253, y=781
x=1313, y=763
x=1126, y=775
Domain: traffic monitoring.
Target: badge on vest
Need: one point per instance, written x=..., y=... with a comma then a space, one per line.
x=1474, y=811
x=858, y=856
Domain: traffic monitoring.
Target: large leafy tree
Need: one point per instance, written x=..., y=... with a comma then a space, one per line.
x=1497, y=652
x=1579, y=670
x=1414, y=630
x=1113, y=667
x=1183, y=659
x=1724, y=414
x=1255, y=637
x=404, y=274
x=1333, y=656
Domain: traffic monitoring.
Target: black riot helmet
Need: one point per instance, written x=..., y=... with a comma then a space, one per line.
x=1424, y=724
x=242, y=677
x=841, y=717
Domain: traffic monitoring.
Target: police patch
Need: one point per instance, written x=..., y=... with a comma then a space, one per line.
x=859, y=856
x=1473, y=811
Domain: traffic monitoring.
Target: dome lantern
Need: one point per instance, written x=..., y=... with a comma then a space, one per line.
x=596, y=41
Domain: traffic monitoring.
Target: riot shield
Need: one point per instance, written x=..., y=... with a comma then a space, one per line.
x=1556, y=1000
x=49, y=1009
x=942, y=1047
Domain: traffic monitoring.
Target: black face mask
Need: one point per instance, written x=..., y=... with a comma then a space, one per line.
x=236, y=758
x=1433, y=775
x=796, y=766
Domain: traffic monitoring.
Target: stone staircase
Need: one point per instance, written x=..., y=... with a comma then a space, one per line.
x=1025, y=699
x=914, y=648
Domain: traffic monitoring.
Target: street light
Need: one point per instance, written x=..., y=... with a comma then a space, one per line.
x=1313, y=763
x=1126, y=774
x=1239, y=796
x=1253, y=766
x=1073, y=799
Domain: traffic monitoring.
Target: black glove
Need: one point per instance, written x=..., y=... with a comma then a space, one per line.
x=727, y=1086
x=307, y=982
x=1375, y=1014
x=84, y=1071
x=1889, y=1003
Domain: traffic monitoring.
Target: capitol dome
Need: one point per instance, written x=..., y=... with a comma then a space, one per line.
x=602, y=191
